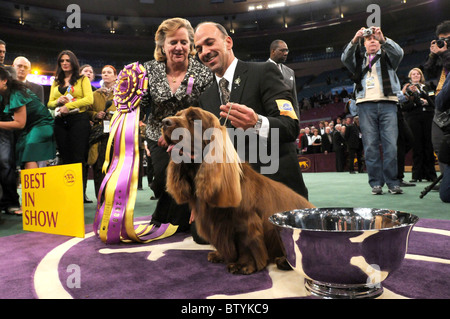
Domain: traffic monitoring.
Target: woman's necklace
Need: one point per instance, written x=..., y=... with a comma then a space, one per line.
x=176, y=78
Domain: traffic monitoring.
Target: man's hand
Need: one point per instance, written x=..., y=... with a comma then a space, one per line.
x=378, y=35
x=240, y=116
x=435, y=49
x=358, y=35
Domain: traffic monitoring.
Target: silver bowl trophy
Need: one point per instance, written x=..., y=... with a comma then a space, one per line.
x=344, y=252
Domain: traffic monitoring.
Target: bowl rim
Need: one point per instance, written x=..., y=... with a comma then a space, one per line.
x=414, y=217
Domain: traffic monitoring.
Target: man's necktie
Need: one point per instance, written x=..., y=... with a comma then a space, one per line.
x=223, y=86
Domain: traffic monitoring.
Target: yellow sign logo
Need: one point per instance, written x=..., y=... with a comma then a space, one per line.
x=304, y=162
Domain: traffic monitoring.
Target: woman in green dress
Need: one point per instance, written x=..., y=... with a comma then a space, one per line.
x=35, y=139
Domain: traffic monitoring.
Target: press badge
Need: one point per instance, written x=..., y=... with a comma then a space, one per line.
x=370, y=82
x=105, y=126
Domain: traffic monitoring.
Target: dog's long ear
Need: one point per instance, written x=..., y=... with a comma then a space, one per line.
x=218, y=181
x=179, y=188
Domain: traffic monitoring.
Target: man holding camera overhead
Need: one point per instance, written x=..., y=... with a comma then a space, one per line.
x=377, y=92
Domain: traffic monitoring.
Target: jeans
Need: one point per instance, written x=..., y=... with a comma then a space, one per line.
x=444, y=188
x=378, y=122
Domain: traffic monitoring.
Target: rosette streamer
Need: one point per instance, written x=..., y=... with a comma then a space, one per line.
x=114, y=221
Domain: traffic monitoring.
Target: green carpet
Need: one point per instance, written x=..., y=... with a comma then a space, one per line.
x=325, y=190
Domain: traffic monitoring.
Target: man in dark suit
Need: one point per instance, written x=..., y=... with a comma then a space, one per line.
x=339, y=148
x=327, y=141
x=23, y=68
x=253, y=97
x=278, y=55
x=353, y=140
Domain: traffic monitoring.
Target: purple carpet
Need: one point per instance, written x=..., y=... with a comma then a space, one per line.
x=37, y=265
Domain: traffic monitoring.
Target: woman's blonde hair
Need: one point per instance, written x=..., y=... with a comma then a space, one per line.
x=422, y=77
x=167, y=28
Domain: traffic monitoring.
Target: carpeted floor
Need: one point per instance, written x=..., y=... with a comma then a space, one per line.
x=41, y=265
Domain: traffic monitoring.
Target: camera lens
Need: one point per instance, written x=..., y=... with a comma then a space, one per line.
x=441, y=42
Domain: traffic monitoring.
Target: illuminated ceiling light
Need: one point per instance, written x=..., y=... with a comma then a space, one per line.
x=112, y=29
x=276, y=5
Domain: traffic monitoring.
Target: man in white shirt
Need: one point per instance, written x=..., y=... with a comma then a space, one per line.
x=255, y=98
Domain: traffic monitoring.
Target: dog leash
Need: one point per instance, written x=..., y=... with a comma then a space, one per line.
x=114, y=218
x=226, y=119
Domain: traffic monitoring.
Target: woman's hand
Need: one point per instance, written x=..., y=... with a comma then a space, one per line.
x=64, y=110
x=62, y=100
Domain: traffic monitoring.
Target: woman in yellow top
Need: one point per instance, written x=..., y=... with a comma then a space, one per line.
x=100, y=114
x=70, y=97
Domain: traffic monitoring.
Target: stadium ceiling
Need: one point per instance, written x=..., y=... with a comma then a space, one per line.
x=306, y=25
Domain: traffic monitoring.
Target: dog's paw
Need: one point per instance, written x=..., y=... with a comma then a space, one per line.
x=282, y=263
x=214, y=257
x=241, y=269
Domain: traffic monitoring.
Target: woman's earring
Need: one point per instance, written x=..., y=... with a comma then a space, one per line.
x=162, y=51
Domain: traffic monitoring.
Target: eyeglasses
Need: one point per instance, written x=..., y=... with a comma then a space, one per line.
x=64, y=60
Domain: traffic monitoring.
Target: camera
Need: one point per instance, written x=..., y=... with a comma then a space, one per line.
x=441, y=42
x=410, y=92
x=367, y=32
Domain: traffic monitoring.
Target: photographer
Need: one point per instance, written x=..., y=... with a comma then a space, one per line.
x=419, y=111
x=437, y=65
x=443, y=105
x=377, y=94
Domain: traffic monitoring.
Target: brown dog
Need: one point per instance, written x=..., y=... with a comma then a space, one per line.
x=231, y=201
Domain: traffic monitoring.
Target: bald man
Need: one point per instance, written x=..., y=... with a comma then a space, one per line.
x=23, y=67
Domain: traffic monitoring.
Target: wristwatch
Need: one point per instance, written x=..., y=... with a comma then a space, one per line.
x=258, y=124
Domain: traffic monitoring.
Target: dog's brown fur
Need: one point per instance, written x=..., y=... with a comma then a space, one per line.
x=232, y=202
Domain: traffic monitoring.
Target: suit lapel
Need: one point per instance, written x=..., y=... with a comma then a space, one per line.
x=239, y=79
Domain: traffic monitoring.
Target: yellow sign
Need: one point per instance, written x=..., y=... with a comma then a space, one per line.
x=52, y=200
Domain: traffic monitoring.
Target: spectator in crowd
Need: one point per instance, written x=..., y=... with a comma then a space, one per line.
x=405, y=143
x=8, y=178
x=100, y=114
x=419, y=111
x=2, y=52
x=437, y=65
x=321, y=127
x=70, y=97
x=316, y=141
x=377, y=88
x=88, y=71
x=353, y=141
x=176, y=80
x=306, y=142
x=327, y=141
x=23, y=67
x=339, y=148
x=35, y=140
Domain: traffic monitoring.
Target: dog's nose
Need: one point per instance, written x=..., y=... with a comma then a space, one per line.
x=167, y=122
